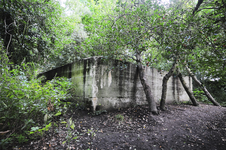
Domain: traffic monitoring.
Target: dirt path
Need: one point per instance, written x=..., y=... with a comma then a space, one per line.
x=180, y=127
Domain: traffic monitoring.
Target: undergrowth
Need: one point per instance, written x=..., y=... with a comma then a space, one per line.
x=201, y=97
x=27, y=105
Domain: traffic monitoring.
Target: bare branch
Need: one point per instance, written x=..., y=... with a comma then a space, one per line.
x=4, y=132
x=6, y=27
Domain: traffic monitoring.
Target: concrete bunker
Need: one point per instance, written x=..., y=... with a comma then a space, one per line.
x=115, y=84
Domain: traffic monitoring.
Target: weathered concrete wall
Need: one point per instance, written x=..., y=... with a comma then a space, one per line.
x=114, y=84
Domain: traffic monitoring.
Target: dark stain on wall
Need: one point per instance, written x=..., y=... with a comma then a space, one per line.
x=178, y=89
x=121, y=80
x=84, y=78
x=173, y=87
x=134, y=90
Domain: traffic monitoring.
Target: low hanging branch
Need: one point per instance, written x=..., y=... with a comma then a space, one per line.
x=164, y=85
x=188, y=90
x=208, y=95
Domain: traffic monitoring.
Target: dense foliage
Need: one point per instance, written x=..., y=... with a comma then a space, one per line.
x=33, y=31
x=25, y=100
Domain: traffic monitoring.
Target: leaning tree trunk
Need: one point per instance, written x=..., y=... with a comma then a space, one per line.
x=187, y=89
x=147, y=90
x=164, y=85
x=146, y=87
x=208, y=95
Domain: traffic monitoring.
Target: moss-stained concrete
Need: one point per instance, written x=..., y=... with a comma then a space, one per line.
x=114, y=84
x=77, y=77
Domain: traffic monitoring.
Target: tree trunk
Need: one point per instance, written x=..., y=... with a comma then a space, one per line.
x=208, y=95
x=147, y=91
x=164, y=85
x=187, y=89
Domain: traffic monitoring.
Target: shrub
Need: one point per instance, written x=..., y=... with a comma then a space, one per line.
x=200, y=96
x=24, y=100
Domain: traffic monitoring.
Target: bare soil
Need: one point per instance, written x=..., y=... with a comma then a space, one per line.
x=181, y=127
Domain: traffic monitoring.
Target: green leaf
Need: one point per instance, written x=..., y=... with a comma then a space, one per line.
x=49, y=125
x=32, y=132
x=73, y=126
x=135, y=29
x=58, y=113
x=64, y=142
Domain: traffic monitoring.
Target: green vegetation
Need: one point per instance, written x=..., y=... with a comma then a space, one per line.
x=119, y=117
x=70, y=126
x=41, y=34
x=27, y=104
x=199, y=94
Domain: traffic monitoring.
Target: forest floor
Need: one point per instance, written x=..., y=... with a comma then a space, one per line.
x=181, y=127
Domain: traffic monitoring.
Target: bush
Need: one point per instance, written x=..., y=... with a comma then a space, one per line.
x=200, y=96
x=25, y=100
x=218, y=90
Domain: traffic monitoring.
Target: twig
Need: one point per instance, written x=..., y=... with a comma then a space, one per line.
x=4, y=132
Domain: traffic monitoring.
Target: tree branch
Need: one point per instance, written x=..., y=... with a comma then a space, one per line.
x=197, y=6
